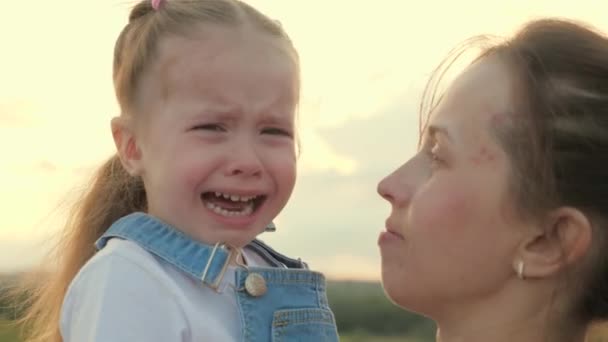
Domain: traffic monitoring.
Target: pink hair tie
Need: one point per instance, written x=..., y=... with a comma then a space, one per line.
x=156, y=4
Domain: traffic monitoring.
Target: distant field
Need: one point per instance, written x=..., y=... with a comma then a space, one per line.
x=363, y=314
x=370, y=338
x=599, y=334
x=7, y=332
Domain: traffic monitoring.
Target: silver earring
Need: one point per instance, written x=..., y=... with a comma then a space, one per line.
x=270, y=227
x=520, y=270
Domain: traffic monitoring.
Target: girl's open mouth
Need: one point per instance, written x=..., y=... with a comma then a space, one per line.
x=231, y=205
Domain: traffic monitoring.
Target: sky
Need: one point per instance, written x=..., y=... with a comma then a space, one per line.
x=364, y=65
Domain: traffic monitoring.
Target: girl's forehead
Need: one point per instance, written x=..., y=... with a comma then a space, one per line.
x=220, y=57
x=221, y=74
x=220, y=52
x=212, y=42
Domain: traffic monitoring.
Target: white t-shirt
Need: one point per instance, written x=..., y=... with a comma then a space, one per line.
x=125, y=294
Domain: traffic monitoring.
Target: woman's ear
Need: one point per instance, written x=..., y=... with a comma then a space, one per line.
x=564, y=238
x=126, y=145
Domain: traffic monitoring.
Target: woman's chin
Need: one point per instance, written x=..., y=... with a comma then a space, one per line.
x=392, y=288
x=400, y=295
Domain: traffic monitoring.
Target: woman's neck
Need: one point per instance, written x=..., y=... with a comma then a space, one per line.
x=517, y=332
x=494, y=334
x=507, y=318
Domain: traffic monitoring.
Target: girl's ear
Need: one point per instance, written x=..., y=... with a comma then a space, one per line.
x=126, y=145
x=563, y=239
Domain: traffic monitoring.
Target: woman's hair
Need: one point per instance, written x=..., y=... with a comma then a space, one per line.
x=113, y=192
x=557, y=138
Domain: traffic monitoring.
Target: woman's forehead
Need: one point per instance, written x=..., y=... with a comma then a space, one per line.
x=481, y=95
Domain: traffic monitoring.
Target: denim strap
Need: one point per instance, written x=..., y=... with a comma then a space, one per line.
x=169, y=244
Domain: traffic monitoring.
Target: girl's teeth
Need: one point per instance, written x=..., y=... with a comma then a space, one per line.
x=234, y=198
x=247, y=210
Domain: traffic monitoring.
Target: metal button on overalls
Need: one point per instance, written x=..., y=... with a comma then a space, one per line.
x=255, y=285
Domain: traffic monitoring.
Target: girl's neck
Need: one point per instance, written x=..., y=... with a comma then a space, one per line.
x=237, y=258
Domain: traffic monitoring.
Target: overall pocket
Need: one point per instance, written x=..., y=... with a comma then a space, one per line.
x=304, y=325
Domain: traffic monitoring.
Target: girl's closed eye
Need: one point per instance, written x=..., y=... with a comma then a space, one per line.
x=214, y=127
x=277, y=131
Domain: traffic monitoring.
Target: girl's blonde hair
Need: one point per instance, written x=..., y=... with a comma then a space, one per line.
x=113, y=192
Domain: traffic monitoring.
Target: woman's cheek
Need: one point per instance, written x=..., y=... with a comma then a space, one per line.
x=442, y=208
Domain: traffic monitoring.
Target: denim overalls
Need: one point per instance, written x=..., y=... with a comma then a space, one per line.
x=275, y=303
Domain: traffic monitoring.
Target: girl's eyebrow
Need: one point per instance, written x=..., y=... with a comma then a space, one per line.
x=215, y=114
x=274, y=119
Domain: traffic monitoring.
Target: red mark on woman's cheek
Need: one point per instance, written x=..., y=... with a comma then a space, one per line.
x=483, y=156
x=452, y=210
x=503, y=119
x=498, y=120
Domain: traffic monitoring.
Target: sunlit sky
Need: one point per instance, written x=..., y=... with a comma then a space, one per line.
x=364, y=64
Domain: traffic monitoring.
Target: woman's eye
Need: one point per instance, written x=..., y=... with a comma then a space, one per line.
x=434, y=158
x=276, y=131
x=210, y=127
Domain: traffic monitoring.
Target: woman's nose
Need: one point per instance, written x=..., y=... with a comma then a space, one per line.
x=384, y=189
x=398, y=187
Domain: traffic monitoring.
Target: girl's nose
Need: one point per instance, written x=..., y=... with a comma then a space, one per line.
x=244, y=161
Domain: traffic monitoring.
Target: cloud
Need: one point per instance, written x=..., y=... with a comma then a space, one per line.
x=16, y=114
x=46, y=166
x=333, y=214
x=380, y=140
x=21, y=254
x=362, y=70
x=348, y=266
